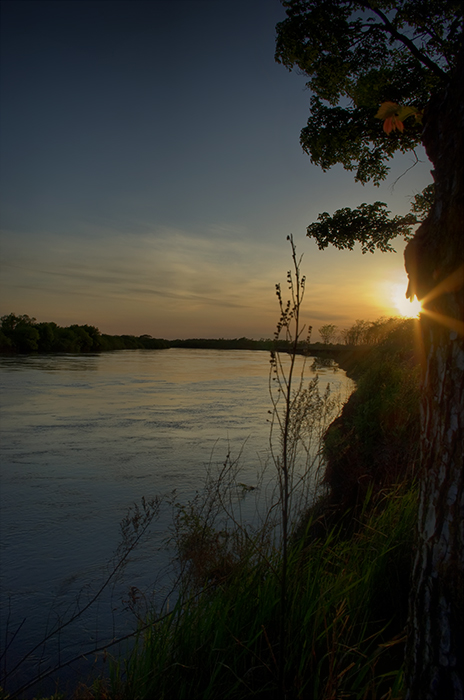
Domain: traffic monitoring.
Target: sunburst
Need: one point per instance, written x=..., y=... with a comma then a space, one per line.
x=406, y=308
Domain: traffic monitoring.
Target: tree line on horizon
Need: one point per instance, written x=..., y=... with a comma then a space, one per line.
x=24, y=334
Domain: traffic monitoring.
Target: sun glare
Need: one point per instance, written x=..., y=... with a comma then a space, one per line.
x=408, y=309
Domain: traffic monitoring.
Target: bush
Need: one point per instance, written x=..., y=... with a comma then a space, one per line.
x=375, y=440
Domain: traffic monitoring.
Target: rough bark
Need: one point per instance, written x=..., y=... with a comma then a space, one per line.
x=434, y=260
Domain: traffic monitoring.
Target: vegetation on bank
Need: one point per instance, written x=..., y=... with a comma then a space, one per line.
x=374, y=443
x=342, y=629
x=25, y=335
x=345, y=620
x=345, y=617
x=347, y=570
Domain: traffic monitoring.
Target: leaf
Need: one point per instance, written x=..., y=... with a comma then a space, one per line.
x=394, y=115
x=405, y=112
x=387, y=110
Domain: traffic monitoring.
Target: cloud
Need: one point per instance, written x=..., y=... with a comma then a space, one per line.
x=216, y=268
x=216, y=280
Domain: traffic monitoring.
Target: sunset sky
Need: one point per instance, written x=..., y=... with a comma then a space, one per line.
x=151, y=172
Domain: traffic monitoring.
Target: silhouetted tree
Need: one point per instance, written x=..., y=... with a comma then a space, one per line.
x=328, y=333
x=21, y=332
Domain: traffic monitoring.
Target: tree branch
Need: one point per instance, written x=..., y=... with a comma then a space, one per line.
x=406, y=41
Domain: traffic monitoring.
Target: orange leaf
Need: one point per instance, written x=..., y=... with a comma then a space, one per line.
x=387, y=125
x=394, y=115
x=387, y=110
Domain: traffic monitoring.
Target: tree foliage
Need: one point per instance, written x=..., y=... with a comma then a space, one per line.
x=423, y=201
x=328, y=333
x=368, y=224
x=356, y=56
x=22, y=334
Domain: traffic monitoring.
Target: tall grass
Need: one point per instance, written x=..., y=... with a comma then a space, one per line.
x=345, y=615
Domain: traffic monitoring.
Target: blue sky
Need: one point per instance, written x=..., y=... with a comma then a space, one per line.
x=151, y=172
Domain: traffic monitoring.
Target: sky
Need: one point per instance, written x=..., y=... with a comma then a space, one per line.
x=151, y=172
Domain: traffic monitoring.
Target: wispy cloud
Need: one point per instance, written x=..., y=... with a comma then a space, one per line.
x=218, y=281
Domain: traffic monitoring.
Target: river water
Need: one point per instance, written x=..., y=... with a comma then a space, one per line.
x=83, y=438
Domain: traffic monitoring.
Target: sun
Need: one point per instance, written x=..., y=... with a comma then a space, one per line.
x=406, y=308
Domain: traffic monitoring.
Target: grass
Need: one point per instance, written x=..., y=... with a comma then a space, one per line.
x=345, y=617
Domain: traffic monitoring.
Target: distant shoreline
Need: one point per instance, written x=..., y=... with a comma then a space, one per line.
x=347, y=357
x=23, y=335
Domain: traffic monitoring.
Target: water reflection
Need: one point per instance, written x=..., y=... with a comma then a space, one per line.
x=87, y=362
x=321, y=364
x=84, y=437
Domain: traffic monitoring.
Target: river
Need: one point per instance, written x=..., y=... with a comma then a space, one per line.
x=83, y=438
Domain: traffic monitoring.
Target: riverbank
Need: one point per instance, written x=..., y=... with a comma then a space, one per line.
x=24, y=335
x=338, y=629
x=374, y=443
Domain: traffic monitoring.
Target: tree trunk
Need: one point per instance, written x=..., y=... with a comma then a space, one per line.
x=434, y=260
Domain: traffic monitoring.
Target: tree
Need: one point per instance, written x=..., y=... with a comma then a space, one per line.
x=368, y=224
x=328, y=333
x=46, y=336
x=83, y=342
x=435, y=265
x=359, y=55
x=21, y=332
x=356, y=334
x=10, y=321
